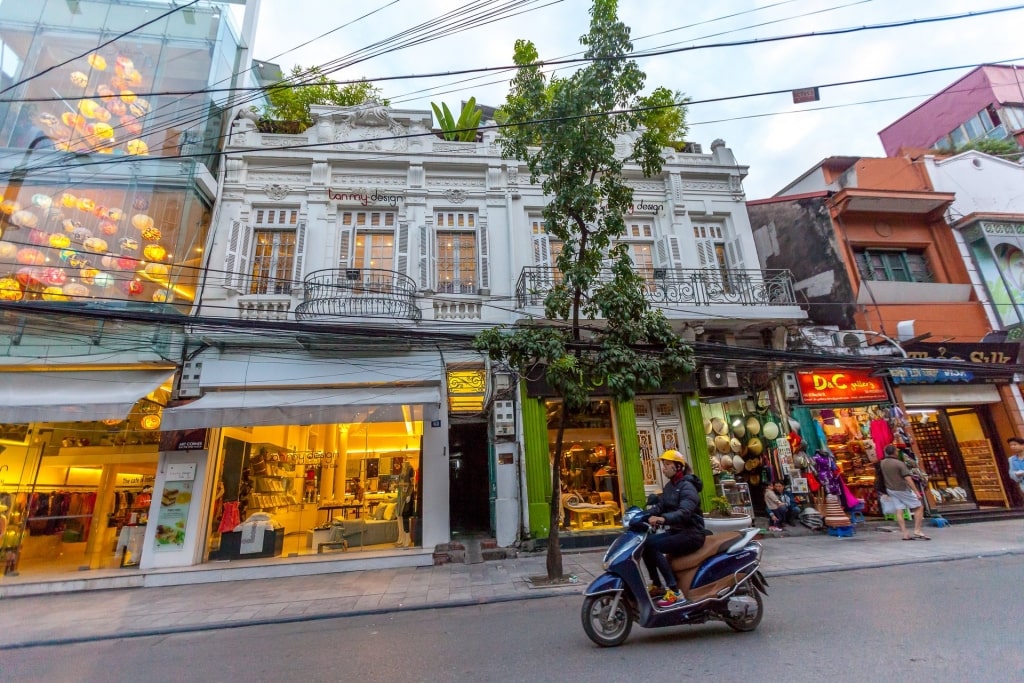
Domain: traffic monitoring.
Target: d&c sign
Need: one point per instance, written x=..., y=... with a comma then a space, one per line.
x=833, y=385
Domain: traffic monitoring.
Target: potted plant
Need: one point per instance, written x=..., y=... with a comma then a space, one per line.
x=721, y=518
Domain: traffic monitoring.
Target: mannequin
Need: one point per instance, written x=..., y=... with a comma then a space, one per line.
x=406, y=490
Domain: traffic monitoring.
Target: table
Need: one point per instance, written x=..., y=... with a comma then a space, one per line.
x=345, y=507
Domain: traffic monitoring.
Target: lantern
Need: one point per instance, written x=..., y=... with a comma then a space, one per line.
x=160, y=296
x=80, y=235
x=97, y=62
x=108, y=227
x=88, y=275
x=72, y=120
x=128, y=244
x=150, y=422
x=127, y=96
x=127, y=263
x=88, y=108
x=76, y=289
x=96, y=245
x=105, y=92
x=152, y=234
x=78, y=261
x=29, y=276
x=8, y=249
x=38, y=237
x=141, y=221
x=140, y=203
x=10, y=290
x=25, y=219
x=132, y=287
x=59, y=240
x=67, y=254
x=139, y=108
x=136, y=147
x=43, y=201
x=85, y=204
x=154, y=252
x=157, y=270
x=123, y=65
x=31, y=257
x=115, y=214
x=55, y=276
x=9, y=206
x=132, y=127
x=102, y=280
x=80, y=79
x=54, y=294
x=103, y=131
x=117, y=107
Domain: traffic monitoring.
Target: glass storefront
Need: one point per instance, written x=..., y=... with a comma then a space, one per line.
x=588, y=466
x=76, y=495
x=286, y=491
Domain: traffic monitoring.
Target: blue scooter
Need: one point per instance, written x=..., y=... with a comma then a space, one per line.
x=721, y=581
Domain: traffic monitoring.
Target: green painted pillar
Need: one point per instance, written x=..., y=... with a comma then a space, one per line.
x=699, y=449
x=629, y=455
x=538, y=465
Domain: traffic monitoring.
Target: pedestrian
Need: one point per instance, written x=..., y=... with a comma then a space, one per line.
x=777, y=507
x=900, y=487
x=1016, y=460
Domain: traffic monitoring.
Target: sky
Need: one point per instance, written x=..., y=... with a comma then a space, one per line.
x=776, y=139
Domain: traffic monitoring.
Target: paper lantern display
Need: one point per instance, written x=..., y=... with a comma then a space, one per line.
x=154, y=252
x=55, y=276
x=139, y=107
x=96, y=245
x=137, y=147
x=78, y=260
x=24, y=218
x=9, y=207
x=152, y=234
x=81, y=235
x=10, y=289
x=76, y=289
x=70, y=225
x=39, y=237
x=128, y=244
x=115, y=214
x=97, y=62
x=31, y=257
x=132, y=287
x=141, y=221
x=67, y=254
x=102, y=280
x=53, y=293
x=156, y=270
x=140, y=203
x=79, y=79
x=108, y=227
x=127, y=263
x=131, y=126
x=29, y=276
x=8, y=249
x=85, y=204
x=88, y=275
x=160, y=296
x=43, y=201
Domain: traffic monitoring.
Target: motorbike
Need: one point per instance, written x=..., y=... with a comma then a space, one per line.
x=722, y=582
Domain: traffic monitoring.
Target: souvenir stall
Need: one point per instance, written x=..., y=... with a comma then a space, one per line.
x=847, y=418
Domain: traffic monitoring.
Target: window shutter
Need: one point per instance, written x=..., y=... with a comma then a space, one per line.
x=424, y=256
x=236, y=257
x=345, y=244
x=542, y=250
x=402, y=256
x=300, y=251
x=485, y=261
x=670, y=254
x=706, y=253
x=734, y=254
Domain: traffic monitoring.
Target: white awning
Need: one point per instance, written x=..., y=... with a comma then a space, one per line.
x=949, y=395
x=76, y=395
x=299, y=406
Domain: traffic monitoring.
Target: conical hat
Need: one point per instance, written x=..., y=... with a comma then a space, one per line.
x=738, y=429
x=753, y=426
x=755, y=446
x=722, y=444
x=718, y=426
x=770, y=430
x=734, y=445
x=737, y=463
x=707, y=426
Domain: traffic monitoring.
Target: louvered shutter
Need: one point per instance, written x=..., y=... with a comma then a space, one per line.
x=734, y=254
x=236, y=257
x=424, y=256
x=485, y=261
x=300, y=252
x=345, y=241
x=670, y=254
x=402, y=260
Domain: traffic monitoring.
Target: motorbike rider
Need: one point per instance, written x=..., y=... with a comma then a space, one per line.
x=678, y=510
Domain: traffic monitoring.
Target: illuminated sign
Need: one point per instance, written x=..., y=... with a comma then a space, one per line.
x=833, y=385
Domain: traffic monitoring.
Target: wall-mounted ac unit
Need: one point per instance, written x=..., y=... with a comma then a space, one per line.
x=852, y=340
x=504, y=418
x=716, y=377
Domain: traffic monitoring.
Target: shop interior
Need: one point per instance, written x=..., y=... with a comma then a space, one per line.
x=76, y=495
x=856, y=444
x=588, y=471
x=286, y=491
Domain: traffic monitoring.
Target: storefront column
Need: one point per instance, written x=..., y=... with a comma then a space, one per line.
x=327, y=471
x=629, y=454
x=694, y=423
x=96, y=547
x=538, y=466
x=341, y=462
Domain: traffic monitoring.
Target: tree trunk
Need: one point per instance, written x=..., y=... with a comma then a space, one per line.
x=554, y=559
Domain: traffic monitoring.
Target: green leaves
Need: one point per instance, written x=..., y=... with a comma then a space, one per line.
x=291, y=98
x=463, y=129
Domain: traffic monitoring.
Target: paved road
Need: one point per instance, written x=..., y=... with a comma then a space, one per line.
x=941, y=621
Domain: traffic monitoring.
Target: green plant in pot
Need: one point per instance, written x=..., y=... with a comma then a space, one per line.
x=720, y=507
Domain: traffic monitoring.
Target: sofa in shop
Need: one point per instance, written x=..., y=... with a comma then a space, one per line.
x=382, y=527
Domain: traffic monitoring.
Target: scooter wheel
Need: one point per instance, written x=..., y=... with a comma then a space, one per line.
x=605, y=628
x=750, y=621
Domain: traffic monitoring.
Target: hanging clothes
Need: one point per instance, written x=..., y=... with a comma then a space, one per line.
x=231, y=517
x=881, y=435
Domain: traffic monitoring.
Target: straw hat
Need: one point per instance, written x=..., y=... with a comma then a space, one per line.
x=722, y=444
x=738, y=429
x=753, y=426
x=755, y=446
x=718, y=426
x=707, y=426
x=737, y=463
x=734, y=445
x=771, y=430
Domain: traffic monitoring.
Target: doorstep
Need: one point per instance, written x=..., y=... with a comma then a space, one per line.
x=215, y=572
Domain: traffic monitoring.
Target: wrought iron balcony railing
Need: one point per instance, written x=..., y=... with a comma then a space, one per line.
x=680, y=286
x=358, y=292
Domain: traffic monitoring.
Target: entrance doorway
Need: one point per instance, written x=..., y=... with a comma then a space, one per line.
x=469, y=477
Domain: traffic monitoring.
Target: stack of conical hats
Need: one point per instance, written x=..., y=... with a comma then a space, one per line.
x=834, y=514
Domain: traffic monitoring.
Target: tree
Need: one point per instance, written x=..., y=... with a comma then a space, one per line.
x=463, y=129
x=291, y=98
x=578, y=121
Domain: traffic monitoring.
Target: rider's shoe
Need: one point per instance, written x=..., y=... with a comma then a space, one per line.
x=672, y=598
x=655, y=591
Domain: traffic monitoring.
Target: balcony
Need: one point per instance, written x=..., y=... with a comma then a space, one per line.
x=358, y=293
x=680, y=286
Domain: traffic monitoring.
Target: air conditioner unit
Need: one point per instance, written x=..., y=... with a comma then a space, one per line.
x=504, y=418
x=853, y=340
x=821, y=337
x=714, y=377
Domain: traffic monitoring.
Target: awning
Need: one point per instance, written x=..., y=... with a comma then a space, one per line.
x=74, y=396
x=961, y=394
x=299, y=406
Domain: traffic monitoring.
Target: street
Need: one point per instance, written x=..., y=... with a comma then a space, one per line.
x=948, y=621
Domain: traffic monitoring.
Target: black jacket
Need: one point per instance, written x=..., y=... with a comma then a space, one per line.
x=679, y=504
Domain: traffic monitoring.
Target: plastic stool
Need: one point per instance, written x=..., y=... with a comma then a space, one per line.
x=938, y=521
x=892, y=517
x=857, y=517
x=841, y=531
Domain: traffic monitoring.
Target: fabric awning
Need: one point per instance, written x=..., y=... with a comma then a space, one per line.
x=76, y=395
x=329, y=405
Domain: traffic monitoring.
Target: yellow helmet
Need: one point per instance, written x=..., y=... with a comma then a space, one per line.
x=673, y=456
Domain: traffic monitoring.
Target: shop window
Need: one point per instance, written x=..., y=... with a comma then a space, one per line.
x=456, y=259
x=546, y=250
x=893, y=265
x=639, y=241
x=276, y=238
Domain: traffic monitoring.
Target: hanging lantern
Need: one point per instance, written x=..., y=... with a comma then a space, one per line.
x=136, y=147
x=43, y=201
x=79, y=79
x=141, y=221
x=97, y=61
x=67, y=254
x=88, y=108
x=150, y=422
x=109, y=261
x=88, y=275
x=8, y=249
x=127, y=263
x=9, y=206
x=10, y=289
x=76, y=122
x=80, y=235
x=128, y=244
x=39, y=237
x=154, y=252
x=108, y=227
x=156, y=270
x=115, y=214
x=132, y=127
x=102, y=280
x=31, y=257
x=55, y=276
x=132, y=287
x=54, y=294
x=30, y=276
x=85, y=204
x=152, y=234
x=123, y=64
x=24, y=218
x=160, y=296
x=70, y=225
x=76, y=289
x=117, y=107
x=77, y=260
x=96, y=245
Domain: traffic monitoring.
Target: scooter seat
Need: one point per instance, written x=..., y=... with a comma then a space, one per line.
x=713, y=545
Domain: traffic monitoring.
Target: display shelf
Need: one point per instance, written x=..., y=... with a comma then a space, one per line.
x=979, y=461
x=738, y=495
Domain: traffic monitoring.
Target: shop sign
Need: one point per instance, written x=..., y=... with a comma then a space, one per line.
x=364, y=197
x=840, y=386
x=929, y=376
x=646, y=207
x=184, y=440
x=172, y=520
x=989, y=354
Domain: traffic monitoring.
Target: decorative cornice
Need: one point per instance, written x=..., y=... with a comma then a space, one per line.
x=276, y=192
x=455, y=196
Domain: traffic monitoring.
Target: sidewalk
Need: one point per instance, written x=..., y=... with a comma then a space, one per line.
x=100, y=615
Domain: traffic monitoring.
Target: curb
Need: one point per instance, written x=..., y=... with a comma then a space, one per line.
x=549, y=593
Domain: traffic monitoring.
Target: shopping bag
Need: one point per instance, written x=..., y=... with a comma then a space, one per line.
x=888, y=504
